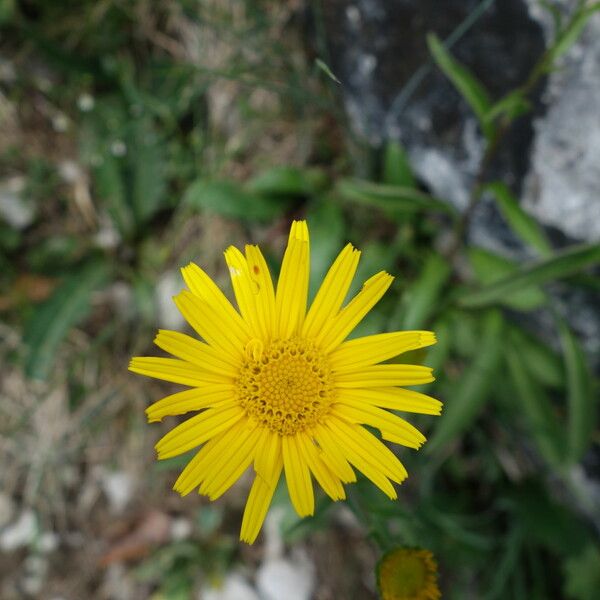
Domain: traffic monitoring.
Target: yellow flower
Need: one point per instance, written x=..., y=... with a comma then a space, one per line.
x=408, y=574
x=278, y=387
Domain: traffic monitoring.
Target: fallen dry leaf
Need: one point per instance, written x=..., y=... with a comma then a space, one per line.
x=152, y=530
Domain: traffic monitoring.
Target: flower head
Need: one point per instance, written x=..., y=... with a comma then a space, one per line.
x=276, y=386
x=408, y=574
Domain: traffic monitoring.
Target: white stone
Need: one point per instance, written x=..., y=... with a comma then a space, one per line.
x=168, y=286
x=118, y=488
x=70, y=171
x=85, y=102
x=21, y=533
x=181, y=529
x=14, y=209
x=60, y=122
x=234, y=587
x=48, y=542
x=118, y=148
x=280, y=578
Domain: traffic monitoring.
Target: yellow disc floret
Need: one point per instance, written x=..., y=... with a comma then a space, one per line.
x=286, y=386
x=408, y=574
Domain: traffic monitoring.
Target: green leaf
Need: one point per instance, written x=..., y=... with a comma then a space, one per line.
x=511, y=106
x=7, y=11
x=535, y=406
x=562, y=264
x=325, y=68
x=231, y=200
x=438, y=353
x=524, y=226
x=50, y=323
x=147, y=160
x=582, y=574
x=465, y=330
x=466, y=403
x=326, y=224
x=571, y=33
x=490, y=267
x=582, y=404
x=287, y=181
x=112, y=194
x=394, y=200
x=396, y=167
x=465, y=82
x=543, y=363
x=547, y=522
x=423, y=296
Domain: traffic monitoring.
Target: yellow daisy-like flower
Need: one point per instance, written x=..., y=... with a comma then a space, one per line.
x=408, y=574
x=278, y=387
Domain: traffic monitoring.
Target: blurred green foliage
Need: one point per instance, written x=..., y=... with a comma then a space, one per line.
x=493, y=493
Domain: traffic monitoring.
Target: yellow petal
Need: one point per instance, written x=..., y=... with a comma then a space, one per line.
x=326, y=479
x=370, y=470
x=332, y=292
x=384, y=376
x=195, y=471
x=265, y=298
x=367, y=453
x=292, y=286
x=197, y=430
x=229, y=467
x=194, y=351
x=202, y=465
x=332, y=455
x=336, y=331
x=176, y=371
x=297, y=476
x=197, y=398
x=267, y=455
x=214, y=326
x=204, y=288
x=372, y=349
x=258, y=503
x=393, y=398
x=245, y=289
x=393, y=428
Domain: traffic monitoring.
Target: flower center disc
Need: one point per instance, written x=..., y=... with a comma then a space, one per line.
x=286, y=386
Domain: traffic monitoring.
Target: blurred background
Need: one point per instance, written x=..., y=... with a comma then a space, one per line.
x=456, y=144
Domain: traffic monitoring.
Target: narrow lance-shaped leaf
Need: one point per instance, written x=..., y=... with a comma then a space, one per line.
x=110, y=188
x=572, y=31
x=423, y=297
x=465, y=82
x=513, y=105
x=543, y=363
x=582, y=404
x=326, y=69
x=52, y=320
x=466, y=403
x=326, y=238
x=531, y=400
x=490, y=267
x=436, y=355
x=390, y=198
x=287, y=181
x=396, y=166
x=524, y=226
x=231, y=200
x=560, y=265
x=146, y=159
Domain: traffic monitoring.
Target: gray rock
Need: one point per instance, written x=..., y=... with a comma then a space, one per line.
x=563, y=184
x=549, y=159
